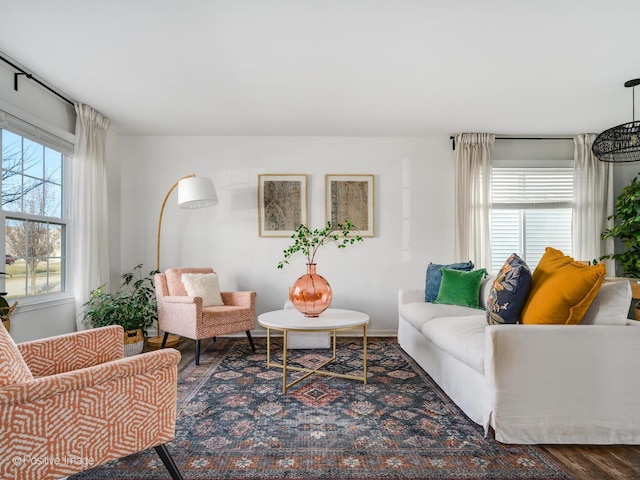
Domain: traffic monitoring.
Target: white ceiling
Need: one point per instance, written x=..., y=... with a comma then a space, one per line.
x=335, y=67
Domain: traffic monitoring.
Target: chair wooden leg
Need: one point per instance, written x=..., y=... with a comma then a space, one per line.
x=197, y=352
x=169, y=464
x=253, y=347
x=164, y=339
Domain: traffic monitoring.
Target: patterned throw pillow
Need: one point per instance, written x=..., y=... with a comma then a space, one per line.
x=434, y=277
x=509, y=292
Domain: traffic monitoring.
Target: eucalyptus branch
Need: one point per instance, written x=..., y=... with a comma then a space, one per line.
x=308, y=241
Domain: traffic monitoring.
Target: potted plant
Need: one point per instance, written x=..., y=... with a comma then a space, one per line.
x=311, y=293
x=133, y=307
x=627, y=229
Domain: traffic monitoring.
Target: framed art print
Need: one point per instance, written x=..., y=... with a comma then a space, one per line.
x=282, y=204
x=350, y=197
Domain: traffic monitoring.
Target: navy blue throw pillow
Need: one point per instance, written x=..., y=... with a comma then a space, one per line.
x=434, y=277
x=509, y=292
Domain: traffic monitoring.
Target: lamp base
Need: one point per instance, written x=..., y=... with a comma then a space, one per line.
x=154, y=343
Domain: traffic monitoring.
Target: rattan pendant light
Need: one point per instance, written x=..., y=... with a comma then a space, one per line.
x=621, y=143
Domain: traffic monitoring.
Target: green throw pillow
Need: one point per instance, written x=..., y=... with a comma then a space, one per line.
x=461, y=288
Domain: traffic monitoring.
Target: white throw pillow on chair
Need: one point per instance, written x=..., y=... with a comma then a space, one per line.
x=204, y=285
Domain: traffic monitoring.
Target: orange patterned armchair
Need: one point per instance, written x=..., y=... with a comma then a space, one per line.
x=72, y=402
x=185, y=315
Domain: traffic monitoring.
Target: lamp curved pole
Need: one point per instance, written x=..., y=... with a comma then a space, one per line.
x=173, y=187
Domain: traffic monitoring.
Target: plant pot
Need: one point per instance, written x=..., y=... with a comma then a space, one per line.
x=311, y=293
x=5, y=313
x=133, y=342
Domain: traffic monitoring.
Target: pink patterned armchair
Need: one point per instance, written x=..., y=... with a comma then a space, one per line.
x=72, y=402
x=184, y=315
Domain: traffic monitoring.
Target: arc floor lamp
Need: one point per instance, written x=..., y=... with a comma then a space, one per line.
x=193, y=192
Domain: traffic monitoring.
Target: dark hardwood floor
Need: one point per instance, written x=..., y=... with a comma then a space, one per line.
x=594, y=462
x=582, y=462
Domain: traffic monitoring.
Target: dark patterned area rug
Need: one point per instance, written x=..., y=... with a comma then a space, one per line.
x=235, y=423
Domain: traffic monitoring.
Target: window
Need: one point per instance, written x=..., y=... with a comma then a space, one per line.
x=531, y=210
x=33, y=194
x=532, y=200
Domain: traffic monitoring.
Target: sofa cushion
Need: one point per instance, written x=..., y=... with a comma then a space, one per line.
x=485, y=289
x=419, y=313
x=461, y=337
x=561, y=289
x=509, y=292
x=434, y=276
x=204, y=285
x=611, y=305
x=460, y=287
x=13, y=368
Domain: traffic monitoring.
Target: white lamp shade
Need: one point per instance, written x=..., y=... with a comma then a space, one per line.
x=196, y=192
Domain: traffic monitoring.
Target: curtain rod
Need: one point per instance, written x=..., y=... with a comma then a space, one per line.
x=31, y=77
x=453, y=139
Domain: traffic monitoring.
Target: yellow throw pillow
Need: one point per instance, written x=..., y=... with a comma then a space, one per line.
x=561, y=290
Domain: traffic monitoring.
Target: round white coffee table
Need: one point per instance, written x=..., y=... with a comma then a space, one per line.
x=331, y=320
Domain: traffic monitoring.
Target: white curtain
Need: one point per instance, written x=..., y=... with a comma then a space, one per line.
x=473, y=198
x=593, y=203
x=89, y=207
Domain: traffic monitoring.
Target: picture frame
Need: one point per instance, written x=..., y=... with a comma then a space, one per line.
x=351, y=197
x=282, y=204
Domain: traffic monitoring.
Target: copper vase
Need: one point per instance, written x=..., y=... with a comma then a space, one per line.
x=311, y=293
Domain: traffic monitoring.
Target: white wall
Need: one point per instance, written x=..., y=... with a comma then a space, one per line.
x=413, y=213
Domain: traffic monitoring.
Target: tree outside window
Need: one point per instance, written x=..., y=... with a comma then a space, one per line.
x=32, y=204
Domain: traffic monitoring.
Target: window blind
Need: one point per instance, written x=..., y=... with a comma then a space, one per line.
x=533, y=187
x=34, y=133
x=531, y=209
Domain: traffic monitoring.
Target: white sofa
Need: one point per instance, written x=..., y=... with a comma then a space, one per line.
x=571, y=384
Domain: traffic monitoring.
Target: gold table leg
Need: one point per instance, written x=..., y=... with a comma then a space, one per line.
x=364, y=353
x=286, y=367
x=268, y=347
x=284, y=362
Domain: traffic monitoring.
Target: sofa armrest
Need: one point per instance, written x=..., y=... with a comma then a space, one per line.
x=410, y=296
x=98, y=414
x=182, y=300
x=179, y=314
x=83, y=379
x=239, y=299
x=562, y=375
x=73, y=351
x=534, y=355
